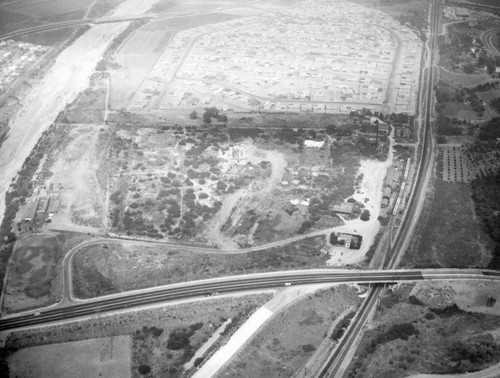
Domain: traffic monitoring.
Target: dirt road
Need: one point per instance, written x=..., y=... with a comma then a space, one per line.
x=234, y=204
x=68, y=76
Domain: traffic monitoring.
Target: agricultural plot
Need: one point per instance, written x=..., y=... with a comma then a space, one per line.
x=32, y=277
x=134, y=60
x=228, y=188
x=464, y=163
x=51, y=10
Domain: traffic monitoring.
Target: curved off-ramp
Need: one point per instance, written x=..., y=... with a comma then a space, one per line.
x=492, y=372
x=488, y=39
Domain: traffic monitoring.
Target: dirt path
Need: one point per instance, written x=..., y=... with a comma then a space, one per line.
x=374, y=173
x=68, y=76
x=238, y=199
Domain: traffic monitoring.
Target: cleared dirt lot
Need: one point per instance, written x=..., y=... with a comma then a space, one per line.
x=134, y=60
x=106, y=357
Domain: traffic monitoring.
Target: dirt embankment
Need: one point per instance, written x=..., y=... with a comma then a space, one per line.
x=290, y=338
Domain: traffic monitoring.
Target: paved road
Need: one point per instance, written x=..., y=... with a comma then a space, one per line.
x=68, y=258
x=492, y=372
x=232, y=284
x=487, y=37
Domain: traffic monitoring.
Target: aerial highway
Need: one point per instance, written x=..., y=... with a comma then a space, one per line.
x=254, y=281
x=337, y=358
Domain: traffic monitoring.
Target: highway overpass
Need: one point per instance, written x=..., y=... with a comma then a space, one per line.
x=255, y=281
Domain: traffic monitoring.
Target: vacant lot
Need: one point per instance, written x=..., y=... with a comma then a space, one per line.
x=133, y=60
x=113, y=268
x=90, y=105
x=456, y=80
x=230, y=187
x=106, y=357
x=420, y=329
x=449, y=234
x=32, y=276
x=288, y=341
x=162, y=339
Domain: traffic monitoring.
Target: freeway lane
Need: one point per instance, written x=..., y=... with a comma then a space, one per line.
x=231, y=284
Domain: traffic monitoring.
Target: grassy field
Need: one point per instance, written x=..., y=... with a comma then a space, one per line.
x=456, y=80
x=287, y=342
x=89, y=106
x=106, y=357
x=163, y=339
x=32, y=277
x=414, y=332
x=448, y=233
x=113, y=268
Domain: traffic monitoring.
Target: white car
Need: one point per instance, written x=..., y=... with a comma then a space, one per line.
x=288, y=284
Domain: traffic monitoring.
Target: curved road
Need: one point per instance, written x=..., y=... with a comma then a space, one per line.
x=68, y=258
x=487, y=38
x=491, y=372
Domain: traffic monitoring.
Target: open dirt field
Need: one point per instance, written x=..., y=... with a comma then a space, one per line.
x=291, y=336
x=106, y=357
x=68, y=76
x=437, y=328
x=32, y=276
x=457, y=80
x=135, y=58
x=74, y=175
x=449, y=233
